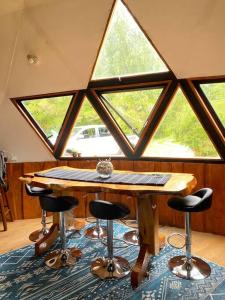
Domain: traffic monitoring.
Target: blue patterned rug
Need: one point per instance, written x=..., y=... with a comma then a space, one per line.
x=23, y=276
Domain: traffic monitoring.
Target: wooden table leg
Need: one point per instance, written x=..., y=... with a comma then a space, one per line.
x=148, y=223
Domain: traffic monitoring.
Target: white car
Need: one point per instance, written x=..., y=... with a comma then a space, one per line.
x=92, y=140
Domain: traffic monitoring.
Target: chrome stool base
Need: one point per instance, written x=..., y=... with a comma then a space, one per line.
x=131, y=237
x=95, y=233
x=38, y=234
x=195, y=269
x=104, y=267
x=62, y=258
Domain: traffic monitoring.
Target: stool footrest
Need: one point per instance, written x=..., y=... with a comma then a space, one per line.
x=104, y=267
x=195, y=268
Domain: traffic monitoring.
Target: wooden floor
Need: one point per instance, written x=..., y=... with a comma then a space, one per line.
x=205, y=245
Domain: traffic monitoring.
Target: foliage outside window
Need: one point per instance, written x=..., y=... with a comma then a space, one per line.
x=180, y=134
x=215, y=92
x=126, y=50
x=90, y=136
x=49, y=114
x=131, y=110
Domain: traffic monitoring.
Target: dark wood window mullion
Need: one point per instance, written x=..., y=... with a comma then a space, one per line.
x=209, y=107
x=203, y=116
x=112, y=117
x=106, y=117
x=131, y=80
x=155, y=117
x=68, y=123
x=33, y=123
x=148, y=123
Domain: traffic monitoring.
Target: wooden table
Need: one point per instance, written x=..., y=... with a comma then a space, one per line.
x=148, y=218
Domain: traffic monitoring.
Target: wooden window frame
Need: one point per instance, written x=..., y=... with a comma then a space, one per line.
x=197, y=85
x=18, y=102
x=95, y=88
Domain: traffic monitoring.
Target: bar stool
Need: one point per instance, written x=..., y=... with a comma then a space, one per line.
x=96, y=231
x=5, y=208
x=188, y=266
x=110, y=266
x=132, y=236
x=37, y=192
x=64, y=256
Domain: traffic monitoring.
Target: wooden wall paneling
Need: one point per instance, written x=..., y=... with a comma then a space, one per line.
x=215, y=179
x=48, y=165
x=127, y=165
x=141, y=166
x=14, y=171
x=144, y=166
x=166, y=216
x=198, y=170
x=31, y=206
x=177, y=167
x=61, y=163
x=79, y=211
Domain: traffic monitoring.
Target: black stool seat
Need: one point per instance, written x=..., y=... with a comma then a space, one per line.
x=57, y=204
x=37, y=191
x=110, y=266
x=188, y=266
x=108, y=211
x=197, y=202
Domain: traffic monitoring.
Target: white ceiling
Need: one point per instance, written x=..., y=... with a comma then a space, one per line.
x=66, y=36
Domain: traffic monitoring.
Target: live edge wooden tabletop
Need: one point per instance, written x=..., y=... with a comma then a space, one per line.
x=148, y=218
x=179, y=183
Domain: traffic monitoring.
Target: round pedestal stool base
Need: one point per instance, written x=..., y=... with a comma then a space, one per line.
x=194, y=269
x=38, y=234
x=62, y=258
x=95, y=233
x=131, y=237
x=104, y=267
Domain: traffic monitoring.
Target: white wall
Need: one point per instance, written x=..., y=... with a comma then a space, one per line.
x=65, y=36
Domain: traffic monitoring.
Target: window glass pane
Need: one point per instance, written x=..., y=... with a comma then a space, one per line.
x=126, y=50
x=180, y=134
x=49, y=114
x=90, y=136
x=215, y=92
x=131, y=110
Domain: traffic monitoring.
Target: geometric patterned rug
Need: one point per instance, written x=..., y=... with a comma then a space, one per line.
x=23, y=276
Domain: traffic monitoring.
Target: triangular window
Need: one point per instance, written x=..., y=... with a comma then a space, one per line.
x=126, y=50
x=131, y=110
x=215, y=92
x=180, y=134
x=90, y=136
x=48, y=114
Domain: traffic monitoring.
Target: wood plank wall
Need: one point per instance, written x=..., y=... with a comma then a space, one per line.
x=208, y=175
